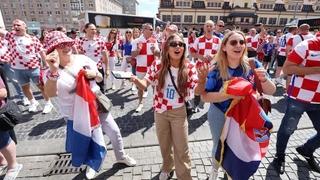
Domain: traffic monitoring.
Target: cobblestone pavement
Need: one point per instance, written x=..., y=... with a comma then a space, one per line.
x=41, y=141
x=149, y=163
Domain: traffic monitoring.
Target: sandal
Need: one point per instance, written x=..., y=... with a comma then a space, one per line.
x=13, y=173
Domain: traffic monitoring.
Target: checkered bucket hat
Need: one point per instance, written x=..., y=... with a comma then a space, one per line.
x=55, y=39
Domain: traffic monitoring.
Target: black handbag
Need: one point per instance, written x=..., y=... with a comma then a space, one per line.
x=10, y=115
x=188, y=104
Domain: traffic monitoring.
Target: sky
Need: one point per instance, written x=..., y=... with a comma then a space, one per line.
x=147, y=7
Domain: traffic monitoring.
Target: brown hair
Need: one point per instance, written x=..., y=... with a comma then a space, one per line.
x=165, y=65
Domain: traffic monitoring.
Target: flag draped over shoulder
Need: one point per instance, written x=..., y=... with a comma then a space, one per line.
x=84, y=134
x=245, y=136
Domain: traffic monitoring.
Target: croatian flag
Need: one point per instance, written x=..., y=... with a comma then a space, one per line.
x=84, y=134
x=245, y=136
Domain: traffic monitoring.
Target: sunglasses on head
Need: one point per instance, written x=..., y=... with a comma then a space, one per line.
x=176, y=44
x=235, y=42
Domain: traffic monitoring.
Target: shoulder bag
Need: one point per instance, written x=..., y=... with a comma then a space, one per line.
x=188, y=104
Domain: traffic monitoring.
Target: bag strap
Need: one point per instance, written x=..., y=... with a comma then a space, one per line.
x=301, y=37
x=257, y=81
x=174, y=84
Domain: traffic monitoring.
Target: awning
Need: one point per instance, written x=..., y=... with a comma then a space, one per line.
x=242, y=14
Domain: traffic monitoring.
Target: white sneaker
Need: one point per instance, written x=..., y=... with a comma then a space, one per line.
x=33, y=106
x=165, y=176
x=113, y=87
x=13, y=173
x=127, y=160
x=47, y=108
x=90, y=173
x=134, y=87
x=25, y=101
x=213, y=174
x=139, y=108
x=145, y=94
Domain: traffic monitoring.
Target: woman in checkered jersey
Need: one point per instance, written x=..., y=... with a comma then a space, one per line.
x=169, y=107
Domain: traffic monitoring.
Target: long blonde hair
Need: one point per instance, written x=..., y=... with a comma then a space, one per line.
x=165, y=65
x=222, y=60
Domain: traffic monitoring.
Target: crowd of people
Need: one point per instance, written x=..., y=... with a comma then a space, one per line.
x=178, y=71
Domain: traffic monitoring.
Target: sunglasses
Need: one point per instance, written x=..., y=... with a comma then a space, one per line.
x=128, y=32
x=235, y=42
x=176, y=44
x=221, y=25
x=149, y=29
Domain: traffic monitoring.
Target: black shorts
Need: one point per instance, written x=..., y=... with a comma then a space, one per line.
x=281, y=60
x=267, y=58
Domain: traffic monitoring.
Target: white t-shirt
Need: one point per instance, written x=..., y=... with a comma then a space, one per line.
x=67, y=83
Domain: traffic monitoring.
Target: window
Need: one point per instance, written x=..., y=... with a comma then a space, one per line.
x=176, y=18
x=214, y=4
x=90, y=5
x=182, y=3
x=201, y=19
x=39, y=5
x=166, y=18
x=188, y=18
x=32, y=12
x=33, y=19
x=242, y=19
x=317, y=8
x=266, y=6
x=263, y=20
x=272, y=21
x=245, y=5
x=247, y=20
x=40, y=12
x=214, y=18
x=64, y=5
x=49, y=12
x=57, y=12
x=283, y=21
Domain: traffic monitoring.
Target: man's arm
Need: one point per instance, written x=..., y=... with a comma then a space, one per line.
x=293, y=68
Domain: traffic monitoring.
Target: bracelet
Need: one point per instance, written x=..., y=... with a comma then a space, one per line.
x=52, y=75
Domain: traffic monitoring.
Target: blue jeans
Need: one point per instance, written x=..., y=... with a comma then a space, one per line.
x=216, y=119
x=9, y=72
x=290, y=121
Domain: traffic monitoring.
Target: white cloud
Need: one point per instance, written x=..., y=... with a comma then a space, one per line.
x=147, y=8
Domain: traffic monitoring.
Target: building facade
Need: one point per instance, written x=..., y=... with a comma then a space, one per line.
x=237, y=13
x=53, y=13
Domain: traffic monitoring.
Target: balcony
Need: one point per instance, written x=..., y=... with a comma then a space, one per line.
x=198, y=5
x=226, y=5
x=279, y=7
x=307, y=8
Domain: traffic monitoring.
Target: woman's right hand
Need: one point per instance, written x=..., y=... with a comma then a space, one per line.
x=202, y=70
x=53, y=61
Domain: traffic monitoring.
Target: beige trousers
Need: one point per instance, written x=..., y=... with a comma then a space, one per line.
x=172, y=132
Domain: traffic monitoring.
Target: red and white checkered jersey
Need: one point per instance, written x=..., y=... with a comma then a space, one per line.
x=93, y=49
x=283, y=40
x=24, y=51
x=3, y=50
x=204, y=46
x=306, y=87
x=252, y=42
x=112, y=47
x=168, y=98
x=145, y=57
x=296, y=39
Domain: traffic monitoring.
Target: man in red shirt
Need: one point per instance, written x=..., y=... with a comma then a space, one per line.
x=303, y=96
